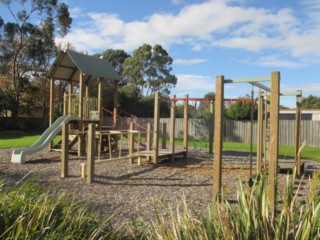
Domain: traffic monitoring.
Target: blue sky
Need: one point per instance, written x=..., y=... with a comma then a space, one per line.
x=234, y=38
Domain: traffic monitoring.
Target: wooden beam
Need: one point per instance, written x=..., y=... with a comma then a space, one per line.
x=218, y=136
x=211, y=127
x=81, y=140
x=131, y=142
x=172, y=127
x=148, y=136
x=91, y=152
x=155, y=146
x=186, y=124
x=100, y=103
x=274, y=139
x=64, y=150
x=298, y=134
x=51, y=110
x=115, y=105
x=247, y=80
x=260, y=133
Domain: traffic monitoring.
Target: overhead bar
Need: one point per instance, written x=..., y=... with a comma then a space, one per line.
x=247, y=80
x=259, y=85
x=296, y=93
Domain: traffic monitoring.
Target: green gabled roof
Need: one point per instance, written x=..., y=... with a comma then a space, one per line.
x=68, y=66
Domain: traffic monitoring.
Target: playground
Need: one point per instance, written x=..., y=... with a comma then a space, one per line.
x=132, y=172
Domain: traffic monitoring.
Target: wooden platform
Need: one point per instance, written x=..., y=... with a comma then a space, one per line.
x=163, y=155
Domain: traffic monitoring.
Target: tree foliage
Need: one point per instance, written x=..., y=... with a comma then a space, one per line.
x=311, y=102
x=150, y=69
x=27, y=42
x=240, y=110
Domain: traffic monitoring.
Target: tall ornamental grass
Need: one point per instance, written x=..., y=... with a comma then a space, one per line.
x=27, y=211
x=250, y=218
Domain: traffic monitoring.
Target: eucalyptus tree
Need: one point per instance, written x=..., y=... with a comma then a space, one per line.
x=27, y=41
x=150, y=69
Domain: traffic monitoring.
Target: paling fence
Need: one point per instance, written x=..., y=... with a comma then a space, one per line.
x=238, y=131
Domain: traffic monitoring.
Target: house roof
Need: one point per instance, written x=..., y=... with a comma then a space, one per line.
x=68, y=66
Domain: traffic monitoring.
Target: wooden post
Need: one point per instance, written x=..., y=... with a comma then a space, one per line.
x=211, y=122
x=274, y=139
x=115, y=105
x=131, y=142
x=298, y=133
x=260, y=133
x=65, y=104
x=172, y=127
x=91, y=153
x=148, y=136
x=164, y=136
x=267, y=132
x=218, y=136
x=155, y=146
x=70, y=92
x=81, y=140
x=186, y=124
x=100, y=103
x=64, y=150
x=51, y=113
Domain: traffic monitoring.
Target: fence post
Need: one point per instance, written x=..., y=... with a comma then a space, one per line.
x=148, y=136
x=298, y=133
x=211, y=122
x=260, y=132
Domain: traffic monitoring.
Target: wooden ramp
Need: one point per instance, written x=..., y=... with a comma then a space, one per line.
x=163, y=155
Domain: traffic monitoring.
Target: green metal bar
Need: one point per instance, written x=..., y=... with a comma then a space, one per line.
x=296, y=93
x=247, y=80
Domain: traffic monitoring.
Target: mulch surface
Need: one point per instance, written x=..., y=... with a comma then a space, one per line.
x=133, y=191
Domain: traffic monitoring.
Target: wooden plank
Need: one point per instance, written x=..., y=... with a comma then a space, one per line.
x=91, y=153
x=115, y=105
x=298, y=134
x=218, y=136
x=274, y=140
x=131, y=142
x=164, y=135
x=260, y=133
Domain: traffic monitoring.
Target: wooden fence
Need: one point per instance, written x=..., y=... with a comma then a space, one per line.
x=239, y=131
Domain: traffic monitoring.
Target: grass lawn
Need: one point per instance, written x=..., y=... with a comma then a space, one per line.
x=19, y=139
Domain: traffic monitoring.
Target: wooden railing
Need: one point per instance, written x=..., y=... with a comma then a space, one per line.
x=90, y=105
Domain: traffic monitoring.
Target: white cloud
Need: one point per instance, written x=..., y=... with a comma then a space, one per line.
x=219, y=23
x=194, y=85
x=276, y=61
x=193, y=61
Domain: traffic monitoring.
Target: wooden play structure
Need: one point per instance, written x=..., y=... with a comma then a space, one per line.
x=268, y=135
x=79, y=70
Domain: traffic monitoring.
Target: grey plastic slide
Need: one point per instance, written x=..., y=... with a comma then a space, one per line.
x=19, y=154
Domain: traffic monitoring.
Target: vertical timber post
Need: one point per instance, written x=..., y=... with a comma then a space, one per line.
x=186, y=125
x=64, y=150
x=298, y=133
x=91, y=153
x=274, y=139
x=100, y=103
x=81, y=141
x=218, y=136
x=211, y=106
x=51, y=113
x=115, y=105
x=260, y=133
x=155, y=146
x=172, y=126
x=131, y=142
x=148, y=136
x=70, y=97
